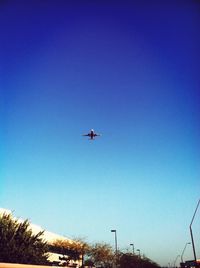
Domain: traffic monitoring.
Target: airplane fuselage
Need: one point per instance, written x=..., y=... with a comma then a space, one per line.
x=91, y=134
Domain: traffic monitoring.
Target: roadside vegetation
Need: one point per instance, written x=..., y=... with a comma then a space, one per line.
x=18, y=244
x=99, y=255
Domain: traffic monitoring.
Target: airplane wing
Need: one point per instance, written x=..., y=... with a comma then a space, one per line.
x=97, y=134
x=88, y=135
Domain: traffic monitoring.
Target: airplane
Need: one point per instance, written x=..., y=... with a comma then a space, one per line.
x=91, y=134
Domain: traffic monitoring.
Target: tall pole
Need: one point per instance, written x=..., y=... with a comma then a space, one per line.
x=139, y=252
x=192, y=238
x=115, y=231
x=133, y=247
x=184, y=251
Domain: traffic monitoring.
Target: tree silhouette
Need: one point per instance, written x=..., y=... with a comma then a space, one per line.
x=129, y=260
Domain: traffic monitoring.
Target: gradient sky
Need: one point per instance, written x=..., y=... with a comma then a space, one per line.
x=131, y=72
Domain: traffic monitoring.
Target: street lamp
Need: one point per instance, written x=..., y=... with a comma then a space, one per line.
x=176, y=260
x=115, y=231
x=193, y=246
x=138, y=251
x=133, y=247
x=184, y=251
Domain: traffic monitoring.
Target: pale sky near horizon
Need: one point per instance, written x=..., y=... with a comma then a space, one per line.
x=131, y=72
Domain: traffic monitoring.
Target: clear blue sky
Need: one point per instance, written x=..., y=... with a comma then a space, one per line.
x=131, y=72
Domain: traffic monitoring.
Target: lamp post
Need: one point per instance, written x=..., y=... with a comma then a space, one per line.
x=193, y=246
x=115, y=232
x=176, y=260
x=138, y=251
x=184, y=251
x=132, y=245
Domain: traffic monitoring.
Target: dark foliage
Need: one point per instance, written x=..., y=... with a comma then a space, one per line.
x=18, y=244
x=128, y=260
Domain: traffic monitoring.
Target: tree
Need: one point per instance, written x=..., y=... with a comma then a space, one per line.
x=129, y=260
x=18, y=243
x=83, y=247
x=67, y=248
x=101, y=254
x=71, y=250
